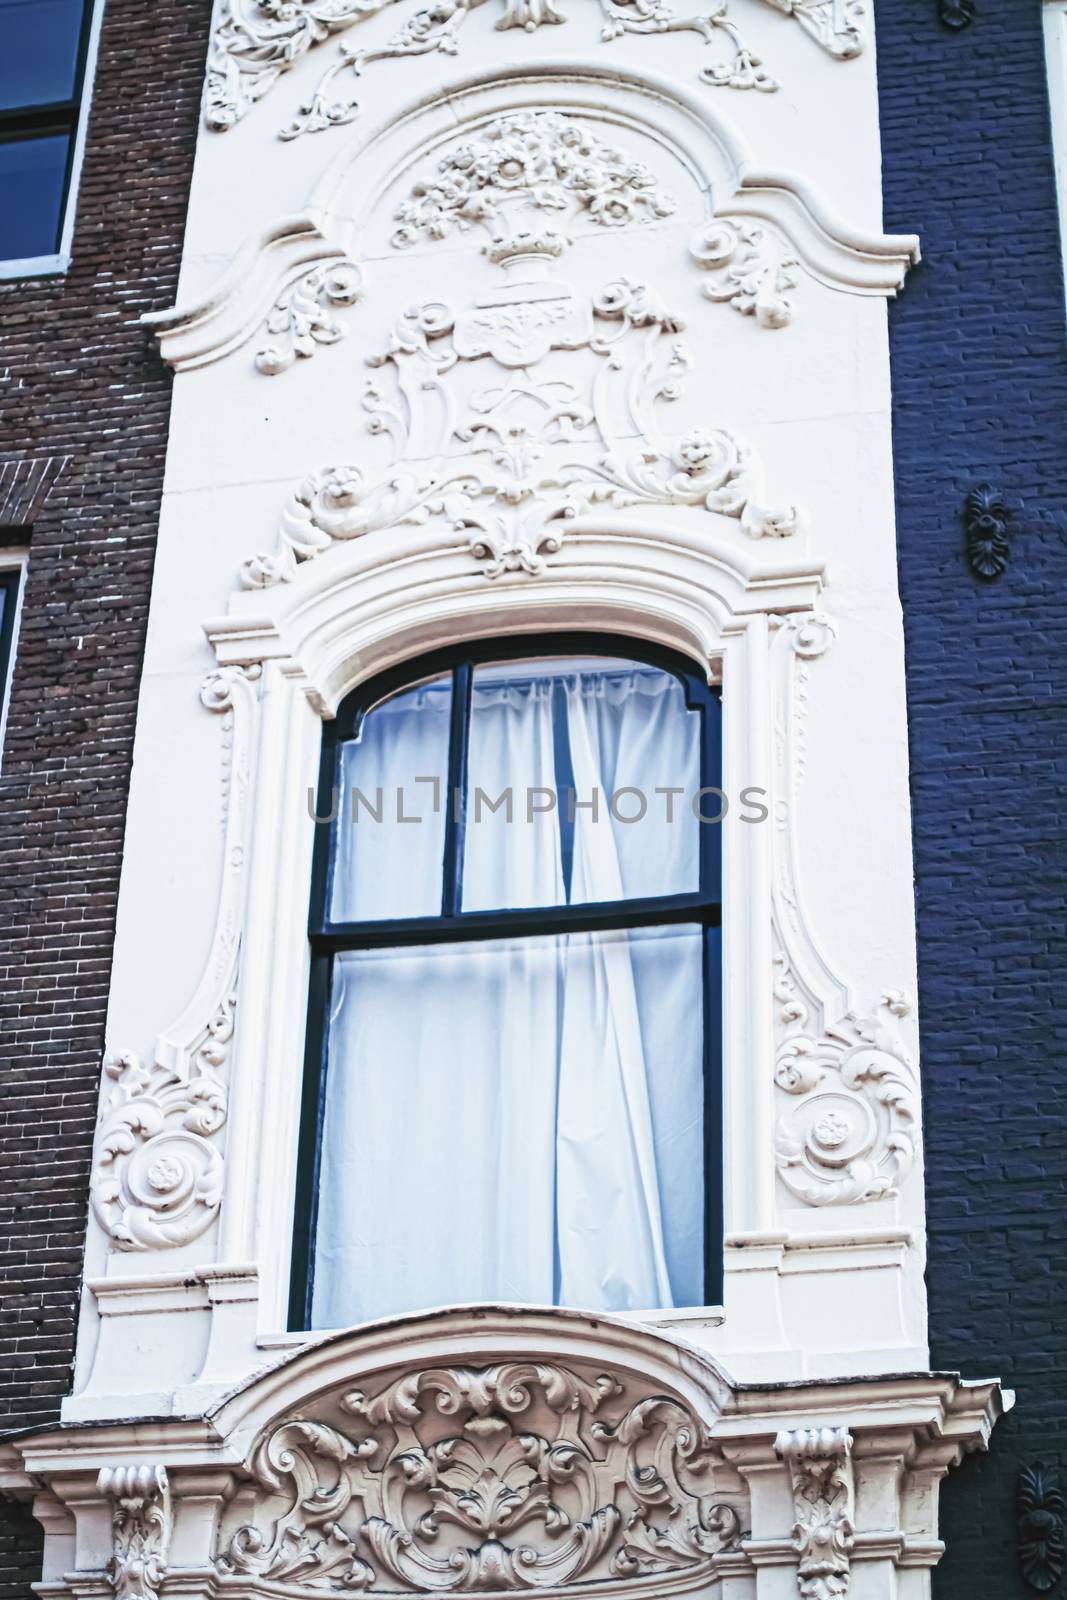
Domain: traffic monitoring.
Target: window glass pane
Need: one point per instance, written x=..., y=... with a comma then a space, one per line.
x=39, y=42
x=389, y=844
x=543, y=1100
x=32, y=174
x=581, y=747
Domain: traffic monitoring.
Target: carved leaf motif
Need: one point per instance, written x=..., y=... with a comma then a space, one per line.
x=140, y=1528
x=303, y=316
x=1042, y=1528
x=750, y=269
x=505, y=1477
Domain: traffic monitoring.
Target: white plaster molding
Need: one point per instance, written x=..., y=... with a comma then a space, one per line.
x=849, y=1112
x=518, y=1445
x=751, y=270
x=549, y=1474
x=831, y=249
x=251, y=48
x=157, y=1174
x=303, y=316
x=141, y=1523
x=741, y=195
x=509, y=463
x=820, y=1463
x=247, y=297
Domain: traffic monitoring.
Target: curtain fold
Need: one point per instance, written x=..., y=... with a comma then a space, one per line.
x=523, y=1119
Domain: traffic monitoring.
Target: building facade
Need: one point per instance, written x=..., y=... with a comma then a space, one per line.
x=582, y=1185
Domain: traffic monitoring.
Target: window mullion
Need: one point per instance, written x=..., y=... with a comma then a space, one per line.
x=455, y=798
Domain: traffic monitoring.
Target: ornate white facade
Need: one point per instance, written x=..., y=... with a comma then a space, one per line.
x=577, y=324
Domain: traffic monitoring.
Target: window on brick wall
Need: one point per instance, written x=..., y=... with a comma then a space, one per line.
x=513, y=1066
x=1055, y=15
x=44, y=55
x=10, y=588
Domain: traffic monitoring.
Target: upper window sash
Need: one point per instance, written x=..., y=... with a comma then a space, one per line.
x=42, y=131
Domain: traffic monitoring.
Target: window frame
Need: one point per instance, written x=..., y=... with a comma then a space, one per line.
x=327, y=939
x=68, y=117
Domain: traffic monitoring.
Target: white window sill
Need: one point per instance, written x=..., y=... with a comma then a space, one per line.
x=35, y=267
x=675, y=1316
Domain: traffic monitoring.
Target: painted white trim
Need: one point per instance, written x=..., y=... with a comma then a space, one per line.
x=10, y=561
x=56, y=265
x=1054, y=17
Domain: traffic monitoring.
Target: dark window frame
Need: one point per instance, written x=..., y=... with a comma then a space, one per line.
x=11, y=585
x=48, y=118
x=327, y=939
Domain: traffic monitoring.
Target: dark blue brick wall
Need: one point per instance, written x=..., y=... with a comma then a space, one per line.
x=979, y=364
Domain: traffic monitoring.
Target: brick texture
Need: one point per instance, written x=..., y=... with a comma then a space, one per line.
x=78, y=379
x=979, y=361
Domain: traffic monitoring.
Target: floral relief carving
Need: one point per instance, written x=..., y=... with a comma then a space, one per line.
x=257, y=41
x=157, y=1170
x=748, y=267
x=516, y=1476
x=303, y=316
x=526, y=160
x=140, y=1528
x=509, y=464
x=820, y=1464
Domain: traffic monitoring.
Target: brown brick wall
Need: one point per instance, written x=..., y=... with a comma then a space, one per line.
x=79, y=379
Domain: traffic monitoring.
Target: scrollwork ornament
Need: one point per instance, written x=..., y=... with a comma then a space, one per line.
x=303, y=317
x=157, y=1171
x=140, y=1528
x=852, y=1137
x=512, y=465
x=1041, y=1527
x=514, y=1477
x=749, y=269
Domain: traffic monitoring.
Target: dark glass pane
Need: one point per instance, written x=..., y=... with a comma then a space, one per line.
x=32, y=173
x=565, y=804
x=38, y=51
x=390, y=835
x=543, y=1100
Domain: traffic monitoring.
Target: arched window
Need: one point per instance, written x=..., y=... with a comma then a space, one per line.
x=513, y=1084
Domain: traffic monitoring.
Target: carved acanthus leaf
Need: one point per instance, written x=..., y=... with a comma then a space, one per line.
x=820, y=1464
x=1042, y=1527
x=303, y=316
x=157, y=1171
x=257, y=41
x=140, y=1528
x=749, y=267
x=507, y=1477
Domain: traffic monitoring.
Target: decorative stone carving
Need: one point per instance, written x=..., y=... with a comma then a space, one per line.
x=986, y=520
x=853, y=1135
x=820, y=1463
x=509, y=465
x=541, y=160
x=833, y=24
x=1041, y=1530
x=523, y=1475
x=750, y=268
x=956, y=14
x=303, y=317
x=157, y=1175
x=140, y=1528
x=256, y=41
x=849, y=1133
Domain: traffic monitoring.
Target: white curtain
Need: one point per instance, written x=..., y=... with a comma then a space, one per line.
x=523, y=1120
